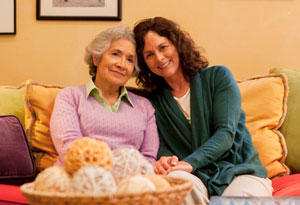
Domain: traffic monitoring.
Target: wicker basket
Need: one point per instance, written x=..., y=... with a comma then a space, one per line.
x=175, y=194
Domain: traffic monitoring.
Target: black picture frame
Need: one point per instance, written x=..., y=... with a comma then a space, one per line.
x=111, y=12
x=8, y=17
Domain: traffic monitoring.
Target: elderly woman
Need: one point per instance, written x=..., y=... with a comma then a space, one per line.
x=203, y=136
x=102, y=108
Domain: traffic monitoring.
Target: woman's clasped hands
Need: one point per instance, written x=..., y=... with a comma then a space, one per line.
x=167, y=164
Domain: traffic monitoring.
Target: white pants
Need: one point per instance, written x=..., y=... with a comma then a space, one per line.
x=243, y=185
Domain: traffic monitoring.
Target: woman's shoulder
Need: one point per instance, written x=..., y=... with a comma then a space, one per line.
x=139, y=100
x=72, y=90
x=217, y=72
x=215, y=69
x=137, y=97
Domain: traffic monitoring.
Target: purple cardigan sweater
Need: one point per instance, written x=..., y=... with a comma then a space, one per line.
x=75, y=116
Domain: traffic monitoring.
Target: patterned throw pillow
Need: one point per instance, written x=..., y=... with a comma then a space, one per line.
x=39, y=102
x=264, y=101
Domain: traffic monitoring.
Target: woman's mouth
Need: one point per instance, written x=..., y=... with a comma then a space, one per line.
x=161, y=66
x=118, y=72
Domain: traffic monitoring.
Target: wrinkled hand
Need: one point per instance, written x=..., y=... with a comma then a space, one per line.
x=181, y=165
x=165, y=165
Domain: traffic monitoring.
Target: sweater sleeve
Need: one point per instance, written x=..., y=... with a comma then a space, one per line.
x=226, y=107
x=151, y=142
x=64, y=123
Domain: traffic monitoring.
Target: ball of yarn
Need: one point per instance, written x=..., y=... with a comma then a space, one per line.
x=92, y=179
x=129, y=161
x=158, y=180
x=52, y=179
x=87, y=151
x=135, y=184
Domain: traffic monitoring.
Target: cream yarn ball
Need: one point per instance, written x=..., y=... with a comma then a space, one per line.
x=135, y=184
x=52, y=179
x=129, y=161
x=158, y=180
x=92, y=179
x=87, y=151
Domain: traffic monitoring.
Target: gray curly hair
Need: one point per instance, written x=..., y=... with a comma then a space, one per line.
x=103, y=41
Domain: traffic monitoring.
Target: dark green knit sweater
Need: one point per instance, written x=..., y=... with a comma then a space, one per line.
x=217, y=143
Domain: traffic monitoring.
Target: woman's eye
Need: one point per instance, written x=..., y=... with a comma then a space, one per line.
x=130, y=60
x=148, y=55
x=115, y=54
x=163, y=47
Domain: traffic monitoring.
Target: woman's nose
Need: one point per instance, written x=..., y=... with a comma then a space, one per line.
x=121, y=63
x=159, y=56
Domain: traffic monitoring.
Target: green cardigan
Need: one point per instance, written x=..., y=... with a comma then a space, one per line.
x=217, y=143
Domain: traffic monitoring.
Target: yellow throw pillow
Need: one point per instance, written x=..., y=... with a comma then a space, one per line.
x=264, y=101
x=39, y=102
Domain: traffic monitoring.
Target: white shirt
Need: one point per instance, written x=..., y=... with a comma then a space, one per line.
x=185, y=105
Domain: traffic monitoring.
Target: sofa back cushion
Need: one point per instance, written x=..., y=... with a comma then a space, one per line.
x=264, y=102
x=39, y=102
x=290, y=127
x=16, y=160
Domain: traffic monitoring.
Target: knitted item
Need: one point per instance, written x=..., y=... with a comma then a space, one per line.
x=129, y=161
x=75, y=115
x=52, y=179
x=92, y=179
x=87, y=151
x=158, y=180
x=135, y=184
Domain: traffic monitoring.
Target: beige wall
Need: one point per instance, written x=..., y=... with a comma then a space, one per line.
x=249, y=36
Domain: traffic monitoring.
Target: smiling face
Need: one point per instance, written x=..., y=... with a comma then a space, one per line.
x=116, y=64
x=161, y=56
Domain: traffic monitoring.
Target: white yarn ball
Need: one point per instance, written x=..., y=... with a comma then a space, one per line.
x=52, y=179
x=135, y=184
x=129, y=161
x=92, y=179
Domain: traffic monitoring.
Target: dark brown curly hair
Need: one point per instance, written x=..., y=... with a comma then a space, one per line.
x=190, y=57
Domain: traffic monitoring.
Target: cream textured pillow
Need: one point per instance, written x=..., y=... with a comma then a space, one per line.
x=264, y=101
x=39, y=102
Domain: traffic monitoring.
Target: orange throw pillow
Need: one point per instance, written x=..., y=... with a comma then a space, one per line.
x=264, y=101
x=39, y=102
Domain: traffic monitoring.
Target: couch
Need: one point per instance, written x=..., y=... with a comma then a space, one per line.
x=270, y=102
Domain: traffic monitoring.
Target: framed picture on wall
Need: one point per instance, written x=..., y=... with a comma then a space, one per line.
x=79, y=10
x=7, y=17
